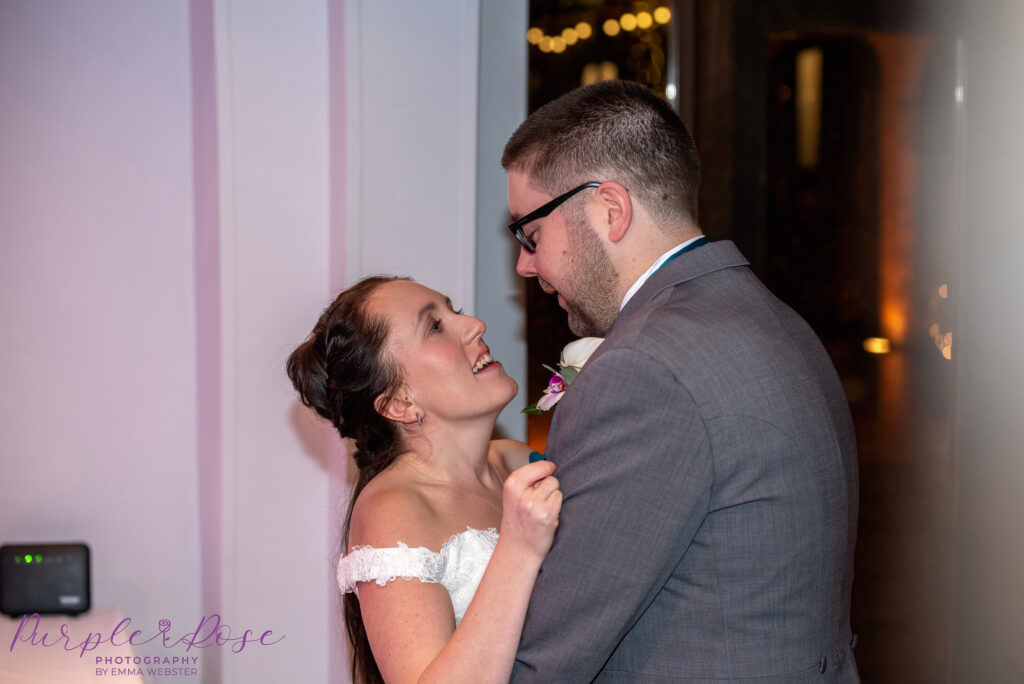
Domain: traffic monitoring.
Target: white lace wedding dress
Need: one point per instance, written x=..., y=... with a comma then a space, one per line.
x=459, y=565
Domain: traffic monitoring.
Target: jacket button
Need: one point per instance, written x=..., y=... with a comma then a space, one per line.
x=823, y=665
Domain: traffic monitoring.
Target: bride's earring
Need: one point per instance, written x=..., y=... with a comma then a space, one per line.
x=419, y=419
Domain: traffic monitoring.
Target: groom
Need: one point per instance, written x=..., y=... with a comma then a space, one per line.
x=706, y=451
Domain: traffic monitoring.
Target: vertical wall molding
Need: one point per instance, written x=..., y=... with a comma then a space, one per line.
x=411, y=108
x=500, y=297
x=273, y=150
x=208, y=403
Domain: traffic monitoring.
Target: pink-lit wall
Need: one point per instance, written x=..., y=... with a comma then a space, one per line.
x=183, y=187
x=151, y=287
x=97, y=295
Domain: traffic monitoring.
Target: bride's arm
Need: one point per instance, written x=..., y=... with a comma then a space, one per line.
x=511, y=453
x=411, y=626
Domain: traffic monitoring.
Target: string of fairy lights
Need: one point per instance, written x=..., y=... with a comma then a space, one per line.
x=571, y=35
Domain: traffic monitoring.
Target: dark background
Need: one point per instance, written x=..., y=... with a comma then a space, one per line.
x=862, y=242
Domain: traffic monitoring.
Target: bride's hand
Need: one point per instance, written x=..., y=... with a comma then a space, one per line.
x=531, y=501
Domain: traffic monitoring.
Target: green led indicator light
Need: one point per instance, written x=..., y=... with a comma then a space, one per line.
x=28, y=558
x=17, y=559
x=39, y=559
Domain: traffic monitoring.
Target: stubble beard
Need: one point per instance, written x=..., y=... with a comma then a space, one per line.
x=592, y=305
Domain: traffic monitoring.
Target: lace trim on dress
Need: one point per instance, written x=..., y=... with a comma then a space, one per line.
x=366, y=563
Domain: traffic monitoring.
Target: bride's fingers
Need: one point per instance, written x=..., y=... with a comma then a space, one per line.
x=545, y=502
x=556, y=502
x=528, y=475
x=550, y=508
x=545, y=487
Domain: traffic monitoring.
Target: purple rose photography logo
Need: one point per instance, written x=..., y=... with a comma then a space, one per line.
x=210, y=632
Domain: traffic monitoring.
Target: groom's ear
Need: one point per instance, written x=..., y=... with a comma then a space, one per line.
x=616, y=208
x=395, y=407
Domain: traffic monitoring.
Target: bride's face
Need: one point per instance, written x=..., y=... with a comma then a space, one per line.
x=446, y=367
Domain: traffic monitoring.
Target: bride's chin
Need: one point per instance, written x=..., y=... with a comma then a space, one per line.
x=514, y=390
x=508, y=397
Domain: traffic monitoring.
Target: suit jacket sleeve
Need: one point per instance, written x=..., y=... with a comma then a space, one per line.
x=634, y=461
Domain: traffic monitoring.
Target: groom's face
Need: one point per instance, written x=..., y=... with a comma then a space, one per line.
x=569, y=259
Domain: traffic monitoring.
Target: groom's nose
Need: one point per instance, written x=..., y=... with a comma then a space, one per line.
x=524, y=266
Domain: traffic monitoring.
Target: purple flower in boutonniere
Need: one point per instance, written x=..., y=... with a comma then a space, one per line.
x=552, y=393
x=573, y=357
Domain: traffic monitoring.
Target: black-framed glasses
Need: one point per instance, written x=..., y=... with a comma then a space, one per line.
x=540, y=212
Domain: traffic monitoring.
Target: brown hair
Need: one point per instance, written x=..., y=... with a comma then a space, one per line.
x=613, y=130
x=339, y=371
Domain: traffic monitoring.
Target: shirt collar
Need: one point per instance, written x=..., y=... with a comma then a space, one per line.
x=654, y=267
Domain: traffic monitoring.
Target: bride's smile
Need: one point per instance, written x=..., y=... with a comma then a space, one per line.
x=447, y=369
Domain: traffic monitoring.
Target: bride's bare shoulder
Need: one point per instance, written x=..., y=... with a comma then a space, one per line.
x=392, y=509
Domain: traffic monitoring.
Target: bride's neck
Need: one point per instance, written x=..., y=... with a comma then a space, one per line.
x=451, y=453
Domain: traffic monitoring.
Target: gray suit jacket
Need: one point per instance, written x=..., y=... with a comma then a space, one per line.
x=707, y=457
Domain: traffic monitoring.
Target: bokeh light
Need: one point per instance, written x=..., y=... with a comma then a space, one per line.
x=877, y=345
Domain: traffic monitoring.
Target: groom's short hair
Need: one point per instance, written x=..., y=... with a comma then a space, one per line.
x=613, y=130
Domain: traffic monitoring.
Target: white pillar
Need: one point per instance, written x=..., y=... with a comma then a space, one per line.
x=500, y=292
x=411, y=101
x=272, y=98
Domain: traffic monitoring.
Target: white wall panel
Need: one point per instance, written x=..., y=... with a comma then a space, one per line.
x=273, y=133
x=411, y=81
x=500, y=292
x=97, y=419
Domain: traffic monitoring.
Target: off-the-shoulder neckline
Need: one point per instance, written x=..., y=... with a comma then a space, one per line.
x=491, y=532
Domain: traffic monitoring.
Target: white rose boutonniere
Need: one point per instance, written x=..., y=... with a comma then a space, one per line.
x=573, y=357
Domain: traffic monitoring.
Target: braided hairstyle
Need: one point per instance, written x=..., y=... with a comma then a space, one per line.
x=339, y=371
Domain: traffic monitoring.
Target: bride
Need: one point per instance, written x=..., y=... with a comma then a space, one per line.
x=447, y=529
